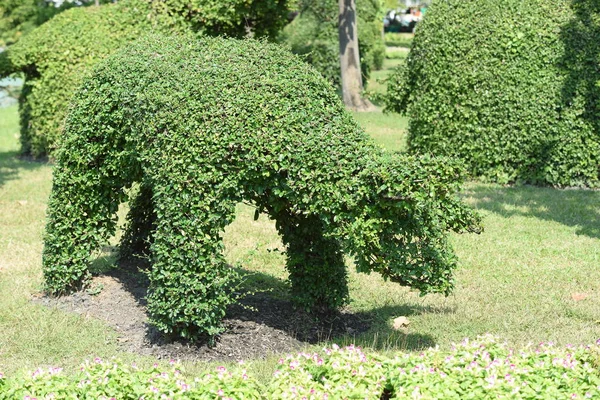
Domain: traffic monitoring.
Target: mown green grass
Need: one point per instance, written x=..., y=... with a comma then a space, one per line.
x=398, y=39
x=388, y=130
x=522, y=279
x=377, y=81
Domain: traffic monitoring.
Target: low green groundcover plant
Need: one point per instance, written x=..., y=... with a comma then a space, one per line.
x=481, y=369
x=204, y=123
x=511, y=87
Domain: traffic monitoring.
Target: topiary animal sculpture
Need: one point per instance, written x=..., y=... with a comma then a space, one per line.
x=204, y=123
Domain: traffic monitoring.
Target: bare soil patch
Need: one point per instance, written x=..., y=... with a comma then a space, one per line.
x=117, y=298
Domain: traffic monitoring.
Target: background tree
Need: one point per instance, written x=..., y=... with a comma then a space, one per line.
x=314, y=34
x=352, y=84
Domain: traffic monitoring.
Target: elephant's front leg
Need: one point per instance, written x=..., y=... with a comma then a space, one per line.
x=189, y=279
x=81, y=216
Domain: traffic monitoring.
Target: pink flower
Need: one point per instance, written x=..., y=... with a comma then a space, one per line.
x=220, y=392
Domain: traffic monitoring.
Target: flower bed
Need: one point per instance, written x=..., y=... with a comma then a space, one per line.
x=484, y=368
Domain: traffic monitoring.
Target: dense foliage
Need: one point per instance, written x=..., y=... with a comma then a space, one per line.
x=204, y=123
x=18, y=17
x=481, y=369
x=514, y=94
x=56, y=56
x=314, y=35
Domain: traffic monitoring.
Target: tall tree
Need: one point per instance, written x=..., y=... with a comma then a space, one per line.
x=352, y=84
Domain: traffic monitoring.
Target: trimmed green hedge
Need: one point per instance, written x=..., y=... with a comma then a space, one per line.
x=480, y=369
x=204, y=123
x=18, y=17
x=56, y=56
x=314, y=35
x=510, y=87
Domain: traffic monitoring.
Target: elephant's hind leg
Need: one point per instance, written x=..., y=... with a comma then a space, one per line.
x=315, y=263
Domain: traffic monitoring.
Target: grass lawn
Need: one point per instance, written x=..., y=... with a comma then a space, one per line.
x=376, y=84
x=398, y=39
x=531, y=276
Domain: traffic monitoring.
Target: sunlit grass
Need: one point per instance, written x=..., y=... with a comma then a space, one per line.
x=389, y=130
x=398, y=39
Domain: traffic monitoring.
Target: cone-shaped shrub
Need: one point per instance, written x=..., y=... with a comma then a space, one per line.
x=204, y=123
x=511, y=87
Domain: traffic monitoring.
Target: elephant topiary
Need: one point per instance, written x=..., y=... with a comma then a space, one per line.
x=203, y=123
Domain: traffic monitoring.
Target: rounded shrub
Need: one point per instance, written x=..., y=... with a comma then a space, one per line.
x=510, y=87
x=314, y=35
x=56, y=56
x=203, y=123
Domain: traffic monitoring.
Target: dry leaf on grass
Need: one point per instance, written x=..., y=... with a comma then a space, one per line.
x=579, y=296
x=401, y=323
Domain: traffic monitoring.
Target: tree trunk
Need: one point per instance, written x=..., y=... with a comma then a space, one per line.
x=352, y=85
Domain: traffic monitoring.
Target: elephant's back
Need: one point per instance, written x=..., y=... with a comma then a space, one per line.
x=237, y=103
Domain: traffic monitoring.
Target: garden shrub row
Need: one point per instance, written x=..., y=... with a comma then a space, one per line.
x=480, y=369
x=203, y=123
x=314, y=35
x=55, y=57
x=511, y=87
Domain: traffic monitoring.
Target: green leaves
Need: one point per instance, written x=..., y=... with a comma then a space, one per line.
x=56, y=56
x=480, y=368
x=513, y=95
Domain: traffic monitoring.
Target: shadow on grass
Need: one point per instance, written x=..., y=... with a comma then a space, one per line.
x=571, y=207
x=11, y=163
x=266, y=302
